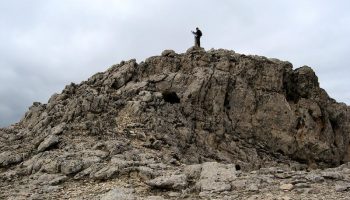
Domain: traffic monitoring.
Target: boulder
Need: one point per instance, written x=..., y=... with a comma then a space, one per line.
x=118, y=193
x=8, y=158
x=48, y=142
x=71, y=166
x=216, y=177
x=173, y=182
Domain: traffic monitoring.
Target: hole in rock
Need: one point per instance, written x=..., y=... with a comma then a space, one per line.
x=280, y=152
x=170, y=97
x=238, y=167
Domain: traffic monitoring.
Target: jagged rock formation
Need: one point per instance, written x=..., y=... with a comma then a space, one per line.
x=167, y=121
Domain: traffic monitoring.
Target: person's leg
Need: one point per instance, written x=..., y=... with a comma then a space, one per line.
x=199, y=42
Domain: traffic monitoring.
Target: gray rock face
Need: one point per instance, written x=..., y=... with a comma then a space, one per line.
x=216, y=177
x=170, y=122
x=50, y=141
x=51, y=179
x=105, y=173
x=71, y=166
x=118, y=193
x=341, y=187
x=216, y=104
x=7, y=158
x=332, y=175
x=175, y=182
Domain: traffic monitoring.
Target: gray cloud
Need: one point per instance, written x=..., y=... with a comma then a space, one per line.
x=45, y=45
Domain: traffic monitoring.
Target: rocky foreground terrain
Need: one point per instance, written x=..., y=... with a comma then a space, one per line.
x=198, y=125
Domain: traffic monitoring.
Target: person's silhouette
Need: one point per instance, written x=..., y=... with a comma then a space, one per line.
x=197, y=37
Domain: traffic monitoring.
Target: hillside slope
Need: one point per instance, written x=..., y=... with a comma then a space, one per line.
x=179, y=116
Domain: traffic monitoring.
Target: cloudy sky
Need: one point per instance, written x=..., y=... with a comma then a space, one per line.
x=46, y=44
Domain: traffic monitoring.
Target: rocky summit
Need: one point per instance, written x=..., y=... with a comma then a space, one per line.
x=197, y=125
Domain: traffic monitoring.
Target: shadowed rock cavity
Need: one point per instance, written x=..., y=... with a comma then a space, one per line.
x=170, y=97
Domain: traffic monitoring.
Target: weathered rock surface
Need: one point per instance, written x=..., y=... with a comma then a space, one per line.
x=120, y=194
x=216, y=177
x=7, y=158
x=204, y=124
x=175, y=182
x=48, y=142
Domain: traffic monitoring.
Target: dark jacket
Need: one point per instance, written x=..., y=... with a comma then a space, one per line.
x=198, y=33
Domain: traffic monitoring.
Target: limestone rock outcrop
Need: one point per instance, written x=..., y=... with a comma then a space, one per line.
x=137, y=119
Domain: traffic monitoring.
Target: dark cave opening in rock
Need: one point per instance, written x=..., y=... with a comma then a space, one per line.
x=170, y=97
x=238, y=167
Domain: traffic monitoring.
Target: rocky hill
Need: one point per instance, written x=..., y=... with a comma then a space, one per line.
x=202, y=124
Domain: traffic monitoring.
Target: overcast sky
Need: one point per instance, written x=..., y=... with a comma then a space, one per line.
x=46, y=44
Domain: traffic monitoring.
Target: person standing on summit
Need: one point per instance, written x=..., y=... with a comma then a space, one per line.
x=197, y=37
